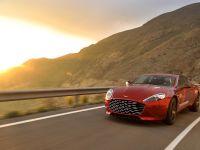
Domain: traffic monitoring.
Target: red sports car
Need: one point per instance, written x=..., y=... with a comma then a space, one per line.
x=153, y=97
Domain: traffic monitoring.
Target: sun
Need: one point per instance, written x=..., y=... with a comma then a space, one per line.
x=20, y=41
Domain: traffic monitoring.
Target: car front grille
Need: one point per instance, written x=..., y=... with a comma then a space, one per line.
x=127, y=107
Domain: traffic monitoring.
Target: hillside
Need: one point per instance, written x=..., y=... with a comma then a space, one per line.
x=167, y=43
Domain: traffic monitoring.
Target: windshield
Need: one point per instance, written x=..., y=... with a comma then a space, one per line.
x=155, y=80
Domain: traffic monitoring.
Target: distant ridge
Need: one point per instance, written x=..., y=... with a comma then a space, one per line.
x=167, y=43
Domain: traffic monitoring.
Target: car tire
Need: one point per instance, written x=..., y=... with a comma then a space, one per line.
x=195, y=105
x=171, y=112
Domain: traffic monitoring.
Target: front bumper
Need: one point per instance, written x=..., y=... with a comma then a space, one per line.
x=155, y=110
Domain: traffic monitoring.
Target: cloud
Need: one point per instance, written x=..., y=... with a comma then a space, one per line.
x=94, y=19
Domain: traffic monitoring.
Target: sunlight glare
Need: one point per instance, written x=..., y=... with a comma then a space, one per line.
x=20, y=41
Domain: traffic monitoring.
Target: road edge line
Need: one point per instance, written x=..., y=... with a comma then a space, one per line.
x=50, y=116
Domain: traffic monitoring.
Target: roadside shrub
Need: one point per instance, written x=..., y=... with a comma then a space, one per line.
x=42, y=109
x=49, y=103
x=83, y=100
x=69, y=101
x=12, y=114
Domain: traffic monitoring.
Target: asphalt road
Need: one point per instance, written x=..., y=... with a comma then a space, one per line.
x=93, y=130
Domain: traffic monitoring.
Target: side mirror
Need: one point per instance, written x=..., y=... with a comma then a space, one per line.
x=128, y=83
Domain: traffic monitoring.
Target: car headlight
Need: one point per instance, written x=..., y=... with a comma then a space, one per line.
x=109, y=94
x=155, y=97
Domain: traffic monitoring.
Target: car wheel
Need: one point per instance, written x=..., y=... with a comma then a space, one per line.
x=195, y=105
x=171, y=112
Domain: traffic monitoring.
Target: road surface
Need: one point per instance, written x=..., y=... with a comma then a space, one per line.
x=93, y=130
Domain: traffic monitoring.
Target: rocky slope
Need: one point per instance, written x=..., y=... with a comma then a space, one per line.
x=167, y=43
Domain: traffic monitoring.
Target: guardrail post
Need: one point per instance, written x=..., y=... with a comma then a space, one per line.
x=77, y=100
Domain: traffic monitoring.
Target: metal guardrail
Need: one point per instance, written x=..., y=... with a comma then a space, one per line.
x=6, y=96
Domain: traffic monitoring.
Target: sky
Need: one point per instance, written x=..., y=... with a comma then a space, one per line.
x=52, y=28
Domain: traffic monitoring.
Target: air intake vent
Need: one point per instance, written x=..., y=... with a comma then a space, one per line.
x=126, y=107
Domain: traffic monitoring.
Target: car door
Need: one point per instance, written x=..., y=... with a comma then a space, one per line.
x=188, y=90
x=182, y=92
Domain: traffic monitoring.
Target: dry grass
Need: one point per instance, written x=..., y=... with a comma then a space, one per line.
x=20, y=108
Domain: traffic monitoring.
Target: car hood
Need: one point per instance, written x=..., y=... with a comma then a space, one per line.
x=139, y=92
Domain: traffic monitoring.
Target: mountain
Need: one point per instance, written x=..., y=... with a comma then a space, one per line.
x=167, y=43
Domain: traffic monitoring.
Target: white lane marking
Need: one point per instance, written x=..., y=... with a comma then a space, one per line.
x=177, y=140
x=48, y=117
